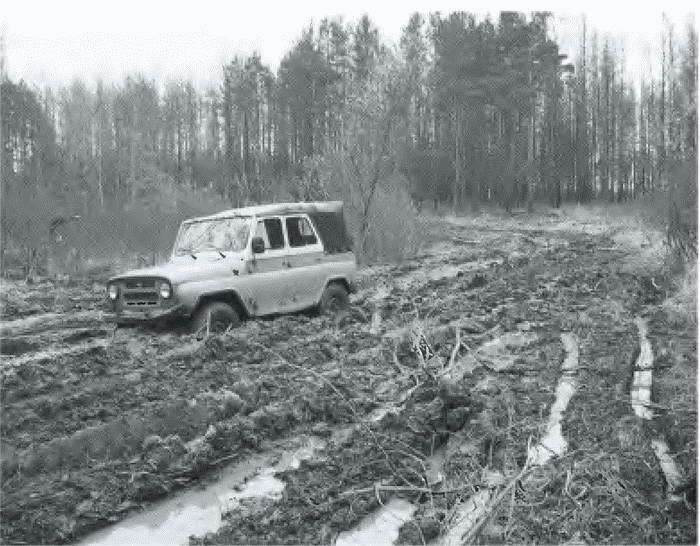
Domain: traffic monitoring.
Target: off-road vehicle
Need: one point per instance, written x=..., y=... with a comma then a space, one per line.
x=246, y=262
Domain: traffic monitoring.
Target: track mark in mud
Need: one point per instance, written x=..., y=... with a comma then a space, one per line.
x=23, y=344
x=672, y=474
x=640, y=397
x=200, y=511
x=377, y=300
x=553, y=442
x=641, y=382
x=27, y=358
x=469, y=513
x=48, y=321
x=499, y=352
x=381, y=527
x=15, y=346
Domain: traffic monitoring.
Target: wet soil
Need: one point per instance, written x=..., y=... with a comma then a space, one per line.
x=98, y=423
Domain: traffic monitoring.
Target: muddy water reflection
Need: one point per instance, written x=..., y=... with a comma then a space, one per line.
x=199, y=511
x=381, y=527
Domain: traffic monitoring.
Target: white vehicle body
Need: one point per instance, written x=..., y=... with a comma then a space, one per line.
x=306, y=249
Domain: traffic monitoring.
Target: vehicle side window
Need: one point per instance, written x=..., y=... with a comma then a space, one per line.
x=270, y=230
x=300, y=232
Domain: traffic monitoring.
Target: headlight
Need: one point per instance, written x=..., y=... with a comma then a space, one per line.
x=165, y=290
x=113, y=291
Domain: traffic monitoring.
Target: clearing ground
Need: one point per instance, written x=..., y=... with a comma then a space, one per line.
x=493, y=389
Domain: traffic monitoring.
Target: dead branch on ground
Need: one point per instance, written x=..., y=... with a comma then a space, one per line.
x=350, y=405
x=489, y=512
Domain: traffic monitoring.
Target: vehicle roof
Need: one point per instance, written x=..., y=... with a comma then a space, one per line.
x=274, y=209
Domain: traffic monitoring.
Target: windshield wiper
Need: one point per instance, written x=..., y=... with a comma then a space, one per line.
x=193, y=256
x=221, y=253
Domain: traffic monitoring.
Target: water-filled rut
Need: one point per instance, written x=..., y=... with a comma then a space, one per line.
x=200, y=511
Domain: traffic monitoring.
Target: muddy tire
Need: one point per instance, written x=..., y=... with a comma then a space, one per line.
x=219, y=316
x=334, y=298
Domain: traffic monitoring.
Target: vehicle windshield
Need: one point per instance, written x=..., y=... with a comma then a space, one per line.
x=225, y=234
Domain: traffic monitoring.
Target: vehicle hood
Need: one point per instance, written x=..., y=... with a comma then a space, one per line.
x=184, y=268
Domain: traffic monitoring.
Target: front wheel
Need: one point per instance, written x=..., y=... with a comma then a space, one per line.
x=215, y=317
x=334, y=298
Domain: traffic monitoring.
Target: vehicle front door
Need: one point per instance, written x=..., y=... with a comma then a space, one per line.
x=307, y=268
x=269, y=273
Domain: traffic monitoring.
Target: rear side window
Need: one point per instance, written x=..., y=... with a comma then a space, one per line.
x=331, y=229
x=300, y=232
x=270, y=230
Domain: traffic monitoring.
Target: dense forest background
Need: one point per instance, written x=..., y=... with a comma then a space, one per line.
x=461, y=114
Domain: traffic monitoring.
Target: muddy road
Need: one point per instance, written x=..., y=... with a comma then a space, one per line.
x=479, y=392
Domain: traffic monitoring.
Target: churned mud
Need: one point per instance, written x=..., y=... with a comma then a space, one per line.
x=406, y=419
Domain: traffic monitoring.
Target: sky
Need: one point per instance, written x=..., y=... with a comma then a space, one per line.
x=52, y=42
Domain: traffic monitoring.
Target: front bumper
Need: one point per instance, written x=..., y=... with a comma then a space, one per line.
x=147, y=315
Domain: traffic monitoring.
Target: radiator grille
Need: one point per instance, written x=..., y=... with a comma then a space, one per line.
x=140, y=293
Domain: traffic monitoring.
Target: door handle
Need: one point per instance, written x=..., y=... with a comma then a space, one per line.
x=288, y=263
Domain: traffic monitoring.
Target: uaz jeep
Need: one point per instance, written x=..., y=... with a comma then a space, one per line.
x=246, y=262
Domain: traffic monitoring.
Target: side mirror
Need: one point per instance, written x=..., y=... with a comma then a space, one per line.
x=258, y=245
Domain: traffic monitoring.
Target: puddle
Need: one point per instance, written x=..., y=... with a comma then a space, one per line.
x=672, y=474
x=640, y=398
x=434, y=465
x=200, y=511
x=376, y=323
x=444, y=271
x=498, y=351
x=380, y=528
x=553, y=442
x=466, y=514
x=640, y=393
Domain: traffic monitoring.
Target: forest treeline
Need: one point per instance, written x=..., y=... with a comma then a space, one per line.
x=462, y=111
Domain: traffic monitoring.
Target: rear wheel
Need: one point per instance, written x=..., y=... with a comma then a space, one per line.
x=215, y=317
x=334, y=298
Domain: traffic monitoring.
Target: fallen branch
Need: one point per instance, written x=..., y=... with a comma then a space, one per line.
x=476, y=357
x=358, y=418
x=403, y=489
x=471, y=535
x=456, y=348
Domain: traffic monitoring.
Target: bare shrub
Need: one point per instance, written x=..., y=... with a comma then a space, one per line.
x=394, y=231
x=24, y=222
x=42, y=235
x=380, y=214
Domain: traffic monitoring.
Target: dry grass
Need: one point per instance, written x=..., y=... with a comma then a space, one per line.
x=682, y=307
x=640, y=230
x=632, y=228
